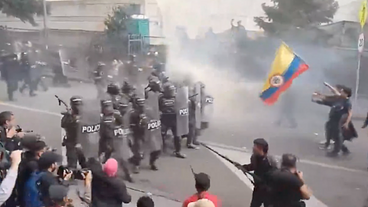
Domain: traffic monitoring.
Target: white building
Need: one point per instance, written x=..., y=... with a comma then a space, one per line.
x=88, y=15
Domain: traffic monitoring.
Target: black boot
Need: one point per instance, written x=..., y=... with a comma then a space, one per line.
x=136, y=169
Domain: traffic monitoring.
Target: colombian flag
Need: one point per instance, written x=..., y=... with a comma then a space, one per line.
x=285, y=68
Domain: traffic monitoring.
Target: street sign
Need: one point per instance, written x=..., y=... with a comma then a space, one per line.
x=363, y=13
x=361, y=43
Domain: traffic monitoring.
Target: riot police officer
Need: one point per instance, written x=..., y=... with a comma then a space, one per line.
x=128, y=91
x=131, y=66
x=98, y=75
x=70, y=122
x=154, y=85
x=114, y=91
x=139, y=125
x=168, y=118
x=26, y=67
x=10, y=72
x=114, y=137
x=192, y=142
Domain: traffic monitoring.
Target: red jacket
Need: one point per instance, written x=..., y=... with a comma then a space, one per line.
x=204, y=195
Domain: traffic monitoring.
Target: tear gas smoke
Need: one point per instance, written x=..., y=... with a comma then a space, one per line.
x=236, y=95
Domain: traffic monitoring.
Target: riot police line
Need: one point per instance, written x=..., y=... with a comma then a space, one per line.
x=134, y=120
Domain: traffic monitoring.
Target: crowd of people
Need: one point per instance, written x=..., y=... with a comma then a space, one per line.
x=31, y=174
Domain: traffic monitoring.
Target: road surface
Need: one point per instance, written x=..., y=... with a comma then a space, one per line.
x=336, y=182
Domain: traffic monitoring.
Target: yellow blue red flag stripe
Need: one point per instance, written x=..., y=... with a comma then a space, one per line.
x=285, y=68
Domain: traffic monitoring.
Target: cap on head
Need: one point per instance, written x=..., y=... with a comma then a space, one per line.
x=57, y=193
x=111, y=167
x=202, y=203
x=48, y=158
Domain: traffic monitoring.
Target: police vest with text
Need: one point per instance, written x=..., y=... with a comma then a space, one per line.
x=89, y=129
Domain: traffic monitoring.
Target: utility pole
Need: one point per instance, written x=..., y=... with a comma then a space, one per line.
x=45, y=32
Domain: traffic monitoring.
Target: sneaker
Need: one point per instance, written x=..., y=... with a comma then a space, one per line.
x=180, y=155
x=192, y=146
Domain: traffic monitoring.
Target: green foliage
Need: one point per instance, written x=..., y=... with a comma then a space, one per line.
x=116, y=28
x=25, y=10
x=284, y=15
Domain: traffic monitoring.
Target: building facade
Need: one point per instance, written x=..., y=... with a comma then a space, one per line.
x=87, y=15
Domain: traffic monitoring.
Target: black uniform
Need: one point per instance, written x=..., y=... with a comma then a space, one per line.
x=114, y=91
x=168, y=118
x=337, y=116
x=138, y=122
x=99, y=78
x=262, y=167
x=70, y=122
x=11, y=74
x=137, y=125
x=193, y=131
x=113, y=141
x=26, y=67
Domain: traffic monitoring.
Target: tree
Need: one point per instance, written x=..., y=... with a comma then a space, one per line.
x=116, y=28
x=284, y=15
x=25, y=10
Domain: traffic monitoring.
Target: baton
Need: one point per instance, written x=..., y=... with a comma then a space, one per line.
x=232, y=162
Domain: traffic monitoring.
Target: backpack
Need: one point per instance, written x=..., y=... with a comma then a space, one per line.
x=32, y=192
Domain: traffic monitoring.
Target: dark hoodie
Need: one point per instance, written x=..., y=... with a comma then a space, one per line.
x=107, y=191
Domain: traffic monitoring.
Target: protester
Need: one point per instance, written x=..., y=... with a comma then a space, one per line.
x=34, y=150
x=287, y=184
x=58, y=196
x=107, y=189
x=262, y=164
x=202, y=203
x=7, y=185
x=48, y=164
x=202, y=185
x=145, y=201
x=7, y=123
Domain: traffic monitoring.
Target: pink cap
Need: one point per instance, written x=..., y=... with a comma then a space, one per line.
x=111, y=167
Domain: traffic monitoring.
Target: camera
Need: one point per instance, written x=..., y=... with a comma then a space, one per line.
x=77, y=174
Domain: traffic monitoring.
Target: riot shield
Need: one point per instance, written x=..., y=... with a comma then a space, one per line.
x=69, y=65
x=153, y=129
x=123, y=139
x=139, y=82
x=182, y=111
x=198, y=104
x=207, y=108
x=89, y=127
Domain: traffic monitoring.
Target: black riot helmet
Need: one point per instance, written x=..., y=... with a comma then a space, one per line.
x=155, y=84
x=100, y=66
x=113, y=89
x=170, y=90
x=107, y=107
x=126, y=88
x=139, y=102
x=76, y=103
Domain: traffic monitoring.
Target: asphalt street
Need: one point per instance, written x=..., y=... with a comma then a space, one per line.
x=336, y=182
